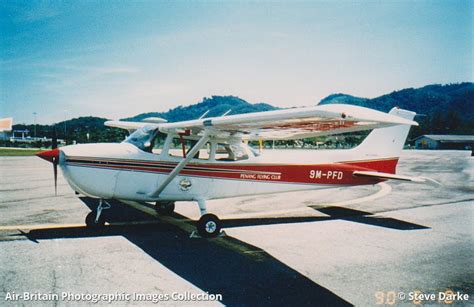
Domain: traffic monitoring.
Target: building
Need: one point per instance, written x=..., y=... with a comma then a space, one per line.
x=20, y=134
x=432, y=141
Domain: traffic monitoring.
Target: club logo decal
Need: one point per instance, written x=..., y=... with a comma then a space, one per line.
x=185, y=184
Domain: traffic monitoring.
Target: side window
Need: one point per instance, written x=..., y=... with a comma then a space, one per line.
x=181, y=147
x=227, y=152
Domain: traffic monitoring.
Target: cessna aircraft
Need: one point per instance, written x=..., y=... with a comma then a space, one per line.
x=209, y=158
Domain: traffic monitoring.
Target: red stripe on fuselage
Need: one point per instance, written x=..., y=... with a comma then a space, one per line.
x=334, y=173
x=384, y=166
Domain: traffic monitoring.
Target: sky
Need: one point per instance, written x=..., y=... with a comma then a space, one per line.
x=114, y=59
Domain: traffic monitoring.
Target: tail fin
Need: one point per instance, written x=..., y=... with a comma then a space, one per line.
x=386, y=142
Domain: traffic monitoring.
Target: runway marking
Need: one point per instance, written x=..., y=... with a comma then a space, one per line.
x=49, y=226
x=39, y=226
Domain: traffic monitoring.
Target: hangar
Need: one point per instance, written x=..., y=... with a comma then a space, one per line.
x=443, y=141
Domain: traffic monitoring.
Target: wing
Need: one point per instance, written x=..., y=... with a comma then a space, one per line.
x=287, y=124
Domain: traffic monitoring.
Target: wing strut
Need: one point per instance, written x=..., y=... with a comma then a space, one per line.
x=182, y=164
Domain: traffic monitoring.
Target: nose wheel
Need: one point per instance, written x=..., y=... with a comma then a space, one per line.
x=95, y=219
x=92, y=222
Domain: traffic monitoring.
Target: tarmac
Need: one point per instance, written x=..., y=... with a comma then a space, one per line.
x=395, y=243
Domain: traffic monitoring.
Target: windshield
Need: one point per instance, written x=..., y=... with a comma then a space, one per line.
x=142, y=138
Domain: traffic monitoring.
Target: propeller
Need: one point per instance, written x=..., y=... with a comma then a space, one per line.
x=53, y=157
x=54, y=145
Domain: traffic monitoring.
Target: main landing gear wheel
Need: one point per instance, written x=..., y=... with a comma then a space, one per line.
x=164, y=208
x=93, y=222
x=209, y=226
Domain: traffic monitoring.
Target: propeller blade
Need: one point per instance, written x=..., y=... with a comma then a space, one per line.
x=53, y=157
x=54, y=141
x=55, y=170
x=54, y=145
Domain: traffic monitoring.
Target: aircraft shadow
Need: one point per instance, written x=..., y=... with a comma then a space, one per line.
x=334, y=213
x=341, y=213
x=244, y=274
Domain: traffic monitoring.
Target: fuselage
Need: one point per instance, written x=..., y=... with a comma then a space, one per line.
x=123, y=171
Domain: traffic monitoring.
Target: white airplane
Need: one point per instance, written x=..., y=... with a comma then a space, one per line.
x=208, y=158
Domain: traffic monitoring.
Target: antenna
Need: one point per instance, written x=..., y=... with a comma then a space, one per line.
x=228, y=111
x=205, y=113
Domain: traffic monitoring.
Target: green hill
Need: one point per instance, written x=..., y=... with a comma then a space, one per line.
x=217, y=105
x=443, y=109
x=82, y=130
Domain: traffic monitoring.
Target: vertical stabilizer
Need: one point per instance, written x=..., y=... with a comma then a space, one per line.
x=386, y=142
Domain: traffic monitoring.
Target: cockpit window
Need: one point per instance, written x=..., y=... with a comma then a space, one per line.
x=145, y=137
x=180, y=147
x=227, y=152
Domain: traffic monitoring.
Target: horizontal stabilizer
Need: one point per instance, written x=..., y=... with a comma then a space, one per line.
x=379, y=175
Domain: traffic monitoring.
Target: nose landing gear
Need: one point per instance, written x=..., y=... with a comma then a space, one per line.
x=95, y=219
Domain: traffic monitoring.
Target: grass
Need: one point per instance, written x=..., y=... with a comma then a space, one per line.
x=16, y=152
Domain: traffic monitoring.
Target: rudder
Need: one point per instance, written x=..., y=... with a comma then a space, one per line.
x=386, y=142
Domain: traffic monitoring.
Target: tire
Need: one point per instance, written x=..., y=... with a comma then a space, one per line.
x=90, y=220
x=164, y=208
x=209, y=226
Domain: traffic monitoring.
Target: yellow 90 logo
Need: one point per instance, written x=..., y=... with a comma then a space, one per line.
x=385, y=298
